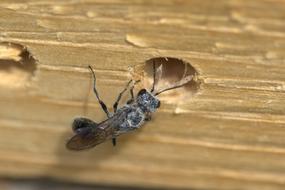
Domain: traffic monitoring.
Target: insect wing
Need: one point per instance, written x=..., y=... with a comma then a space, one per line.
x=86, y=139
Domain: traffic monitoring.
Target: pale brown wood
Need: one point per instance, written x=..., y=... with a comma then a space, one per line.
x=229, y=135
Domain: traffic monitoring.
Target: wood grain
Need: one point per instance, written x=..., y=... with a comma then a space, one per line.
x=229, y=135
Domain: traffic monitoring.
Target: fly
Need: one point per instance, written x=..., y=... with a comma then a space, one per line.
x=127, y=118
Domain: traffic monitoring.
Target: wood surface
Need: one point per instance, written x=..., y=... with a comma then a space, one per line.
x=229, y=134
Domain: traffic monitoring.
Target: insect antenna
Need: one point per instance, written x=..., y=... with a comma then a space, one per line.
x=157, y=73
x=185, y=79
x=176, y=85
x=154, y=75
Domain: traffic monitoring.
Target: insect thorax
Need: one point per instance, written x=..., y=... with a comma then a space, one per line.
x=147, y=101
x=134, y=119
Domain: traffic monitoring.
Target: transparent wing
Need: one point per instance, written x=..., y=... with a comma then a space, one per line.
x=86, y=139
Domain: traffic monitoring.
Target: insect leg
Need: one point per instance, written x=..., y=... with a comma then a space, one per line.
x=103, y=105
x=115, y=106
x=132, y=93
x=114, y=141
x=148, y=116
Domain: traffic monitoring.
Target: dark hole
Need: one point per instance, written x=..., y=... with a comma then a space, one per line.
x=173, y=70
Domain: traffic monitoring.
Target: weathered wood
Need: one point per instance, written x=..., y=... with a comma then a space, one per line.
x=229, y=135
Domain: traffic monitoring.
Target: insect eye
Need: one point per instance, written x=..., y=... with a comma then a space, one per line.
x=142, y=91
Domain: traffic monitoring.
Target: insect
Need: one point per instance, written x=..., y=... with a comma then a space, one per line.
x=129, y=117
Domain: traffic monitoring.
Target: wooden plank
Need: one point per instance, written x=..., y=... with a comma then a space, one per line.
x=23, y=184
x=229, y=134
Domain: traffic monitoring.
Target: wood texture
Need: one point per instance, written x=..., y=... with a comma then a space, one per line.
x=229, y=135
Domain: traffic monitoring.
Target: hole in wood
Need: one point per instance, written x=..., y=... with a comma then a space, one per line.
x=17, y=65
x=173, y=70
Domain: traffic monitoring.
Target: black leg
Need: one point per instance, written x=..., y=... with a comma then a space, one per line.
x=132, y=93
x=103, y=105
x=132, y=96
x=115, y=106
x=148, y=116
x=154, y=73
x=114, y=142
